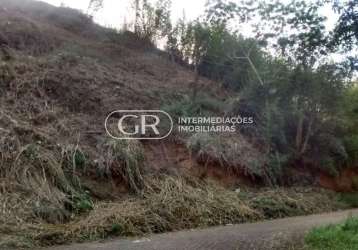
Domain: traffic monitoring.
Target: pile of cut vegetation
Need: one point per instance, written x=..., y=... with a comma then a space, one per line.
x=173, y=203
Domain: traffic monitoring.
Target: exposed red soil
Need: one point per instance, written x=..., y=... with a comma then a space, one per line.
x=175, y=158
x=347, y=181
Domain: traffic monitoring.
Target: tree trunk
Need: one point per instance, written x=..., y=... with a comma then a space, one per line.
x=299, y=132
x=308, y=135
x=195, y=83
x=302, y=138
x=136, y=20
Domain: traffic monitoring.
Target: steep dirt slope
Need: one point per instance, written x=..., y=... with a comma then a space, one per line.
x=62, y=74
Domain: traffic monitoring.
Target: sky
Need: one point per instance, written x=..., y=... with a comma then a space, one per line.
x=117, y=12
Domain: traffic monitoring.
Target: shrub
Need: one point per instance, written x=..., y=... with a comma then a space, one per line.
x=81, y=203
x=351, y=145
x=203, y=105
x=350, y=198
x=73, y=157
x=275, y=168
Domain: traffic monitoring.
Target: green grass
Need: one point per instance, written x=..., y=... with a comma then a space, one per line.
x=343, y=236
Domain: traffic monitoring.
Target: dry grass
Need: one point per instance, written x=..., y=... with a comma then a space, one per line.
x=176, y=203
x=231, y=151
x=168, y=204
x=37, y=180
x=123, y=160
x=295, y=201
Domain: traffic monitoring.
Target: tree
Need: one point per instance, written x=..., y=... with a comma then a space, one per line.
x=152, y=21
x=137, y=15
x=346, y=30
x=345, y=33
x=176, y=41
x=295, y=96
x=195, y=46
x=94, y=6
x=350, y=119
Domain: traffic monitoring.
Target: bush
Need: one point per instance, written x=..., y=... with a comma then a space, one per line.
x=350, y=198
x=351, y=145
x=203, y=105
x=81, y=203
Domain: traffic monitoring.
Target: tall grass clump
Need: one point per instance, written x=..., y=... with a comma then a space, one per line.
x=124, y=160
x=39, y=182
x=35, y=175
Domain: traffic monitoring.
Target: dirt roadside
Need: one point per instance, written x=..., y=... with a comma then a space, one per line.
x=257, y=236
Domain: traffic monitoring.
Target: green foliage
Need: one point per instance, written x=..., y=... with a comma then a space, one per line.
x=349, y=198
x=81, y=203
x=80, y=159
x=220, y=12
x=73, y=158
x=116, y=229
x=334, y=237
x=351, y=144
x=346, y=32
x=275, y=169
x=295, y=99
x=204, y=106
x=350, y=109
x=297, y=110
x=153, y=20
x=195, y=42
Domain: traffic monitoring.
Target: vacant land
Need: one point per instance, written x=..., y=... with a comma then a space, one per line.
x=64, y=180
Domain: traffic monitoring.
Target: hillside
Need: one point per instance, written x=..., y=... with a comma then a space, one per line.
x=62, y=75
x=63, y=179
